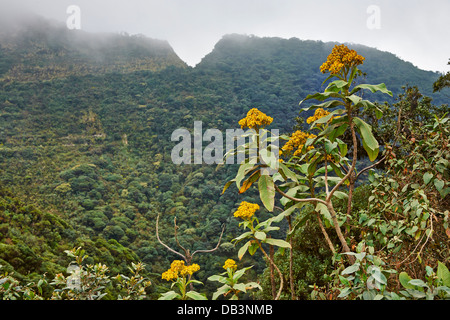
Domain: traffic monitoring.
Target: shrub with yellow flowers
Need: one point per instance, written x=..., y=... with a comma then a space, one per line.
x=341, y=59
x=180, y=275
x=255, y=119
x=231, y=287
x=318, y=169
x=296, y=142
x=246, y=210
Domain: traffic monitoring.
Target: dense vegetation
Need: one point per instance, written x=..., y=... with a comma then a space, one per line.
x=85, y=146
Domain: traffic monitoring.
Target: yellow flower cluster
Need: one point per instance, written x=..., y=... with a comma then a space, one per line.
x=296, y=142
x=319, y=113
x=340, y=57
x=246, y=210
x=230, y=263
x=179, y=268
x=255, y=119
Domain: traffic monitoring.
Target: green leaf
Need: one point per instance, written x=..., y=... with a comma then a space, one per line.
x=418, y=283
x=240, y=287
x=195, y=295
x=242, y=171
x=443, y=274
x=243, y=236
x=416, y=293
x=222, y=290
x=321, y=97
x=248, y=183
x=170, y=295
x=340, y=195
x=227, y=185
x=345, y=293
x=267, y=191
x=330, y=146
x=320, y=207
x=336, y=86
x=370, y=144
x=239, y=273
x=243, y=249
x=338, y=131
x=260, y=235
x=404, y=279
x=288, y=173
x=427, y=177
x=439, y=184
x=351, y=269
x=278, y=243
x=218, y=278
x=373, y=88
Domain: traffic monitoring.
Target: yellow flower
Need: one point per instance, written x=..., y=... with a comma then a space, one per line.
x=179, y=268
x=230, y=263
x=169, y=275
x=177, y=265
x=319, y=113
x=246, y=210
x=297, y=141
x=329, y=158
x=255, y=119
x=341, y=56
x=192, y=268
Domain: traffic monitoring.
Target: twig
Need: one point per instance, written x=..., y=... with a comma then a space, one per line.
x=164, y=245
x=299, y=200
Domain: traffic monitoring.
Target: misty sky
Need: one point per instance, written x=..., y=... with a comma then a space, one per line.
x=415, y=31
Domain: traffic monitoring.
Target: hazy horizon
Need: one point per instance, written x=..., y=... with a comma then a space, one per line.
x=413, y=32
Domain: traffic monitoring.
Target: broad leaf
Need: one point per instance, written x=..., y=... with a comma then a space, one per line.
x=195, y=295
x=243, y=170
x=370, y=144
x=404, y=279
x=443, y=274
x=243, y=249
x=260, y=235
x=170, y=295
x=248, y=183
x=267, y=191
x=222, y=290
x=287, y=172
x=427, y=177
x=336, y=86
x=351, y=269
x=323, y=210
x=322, y=96
x=373, y=88
x=278, y=243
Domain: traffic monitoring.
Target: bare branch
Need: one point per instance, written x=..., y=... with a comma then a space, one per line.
x=166, y=246
x=299, y=200
x=217, y=246
x=186, y=252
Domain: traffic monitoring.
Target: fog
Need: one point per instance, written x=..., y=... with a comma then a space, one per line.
x=415, y=31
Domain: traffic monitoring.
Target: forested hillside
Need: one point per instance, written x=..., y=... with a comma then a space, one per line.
x=85, y=141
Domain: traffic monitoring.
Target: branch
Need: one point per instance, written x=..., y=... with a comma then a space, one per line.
x=353, y=166
x=326, y=176
x=300, y=200
x=371, y=166
x=217, y=246
x=186, y=252
x=166, y=246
